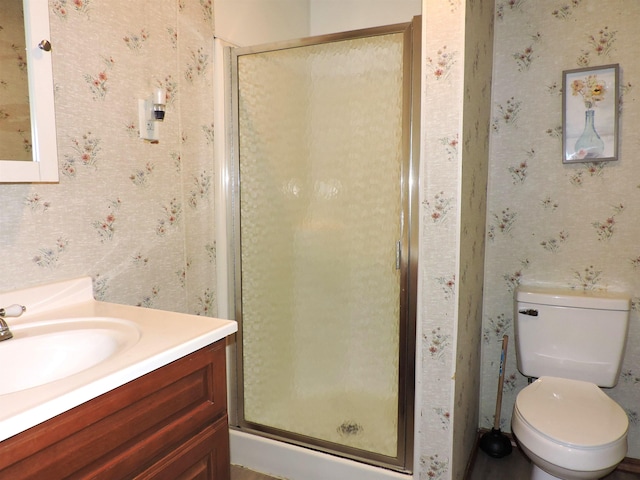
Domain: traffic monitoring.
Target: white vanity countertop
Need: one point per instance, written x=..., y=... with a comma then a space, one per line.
x=164, y=337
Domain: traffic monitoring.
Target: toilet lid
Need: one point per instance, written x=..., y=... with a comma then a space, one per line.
x=572, y=412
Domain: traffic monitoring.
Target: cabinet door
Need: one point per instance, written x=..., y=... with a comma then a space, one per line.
x=164, y=414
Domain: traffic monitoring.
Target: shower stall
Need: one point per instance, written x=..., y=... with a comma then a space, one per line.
x=322, y=216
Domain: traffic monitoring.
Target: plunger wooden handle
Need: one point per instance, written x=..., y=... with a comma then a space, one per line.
x=503, y=363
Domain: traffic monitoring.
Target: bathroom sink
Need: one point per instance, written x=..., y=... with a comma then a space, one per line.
x=43, y=352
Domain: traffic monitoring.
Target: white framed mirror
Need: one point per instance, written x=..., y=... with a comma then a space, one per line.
x=38, y=157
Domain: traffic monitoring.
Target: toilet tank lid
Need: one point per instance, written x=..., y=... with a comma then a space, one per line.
x=565, y=297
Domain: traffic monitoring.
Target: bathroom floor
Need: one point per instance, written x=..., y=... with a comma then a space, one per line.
x=517, y=467
x=241, y=473
x=513, y=467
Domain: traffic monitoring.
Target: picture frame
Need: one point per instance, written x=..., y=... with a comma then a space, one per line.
x=590, y=99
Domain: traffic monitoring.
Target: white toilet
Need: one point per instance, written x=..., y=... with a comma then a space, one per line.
x=573, y=343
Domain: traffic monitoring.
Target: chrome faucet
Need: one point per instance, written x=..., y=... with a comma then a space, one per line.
x=10, y=311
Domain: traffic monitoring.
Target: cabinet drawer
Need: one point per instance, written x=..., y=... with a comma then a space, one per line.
x=204, y=457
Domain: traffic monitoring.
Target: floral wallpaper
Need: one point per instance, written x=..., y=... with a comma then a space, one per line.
x=135, y=216
x=15, y=127
x=549, y=223
x=455, y=128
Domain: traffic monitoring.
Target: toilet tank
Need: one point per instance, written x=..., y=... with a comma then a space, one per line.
x=571, y=334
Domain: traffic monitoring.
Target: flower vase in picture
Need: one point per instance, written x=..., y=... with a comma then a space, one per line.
x=589, y=145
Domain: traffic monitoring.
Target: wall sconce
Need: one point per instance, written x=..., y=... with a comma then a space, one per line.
x=150, y=113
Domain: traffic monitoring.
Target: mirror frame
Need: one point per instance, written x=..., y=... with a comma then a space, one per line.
x=44, y=167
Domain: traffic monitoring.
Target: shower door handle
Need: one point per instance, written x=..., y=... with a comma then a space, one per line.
x=398, y=254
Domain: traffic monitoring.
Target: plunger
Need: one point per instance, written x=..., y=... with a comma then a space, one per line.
x=495, y=443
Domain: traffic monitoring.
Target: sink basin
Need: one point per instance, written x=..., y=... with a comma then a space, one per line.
x=43, y=352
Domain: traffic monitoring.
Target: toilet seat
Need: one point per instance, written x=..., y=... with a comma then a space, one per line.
x=572, y=412
x=570, y=423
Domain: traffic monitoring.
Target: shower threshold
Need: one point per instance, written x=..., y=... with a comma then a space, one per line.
x=292, y=462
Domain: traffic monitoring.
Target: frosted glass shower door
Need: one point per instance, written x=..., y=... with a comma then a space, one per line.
x=319, y=225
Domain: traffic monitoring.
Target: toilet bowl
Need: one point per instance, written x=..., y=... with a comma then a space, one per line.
x=570, y=429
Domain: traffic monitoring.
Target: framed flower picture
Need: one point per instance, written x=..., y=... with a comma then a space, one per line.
x=590, y=114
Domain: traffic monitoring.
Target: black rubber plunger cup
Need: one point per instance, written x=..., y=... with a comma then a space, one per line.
x=495, y=443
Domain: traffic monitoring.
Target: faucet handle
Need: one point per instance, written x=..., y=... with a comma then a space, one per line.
x=14, y=310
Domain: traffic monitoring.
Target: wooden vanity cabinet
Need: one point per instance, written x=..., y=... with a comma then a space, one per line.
x=169, y=424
